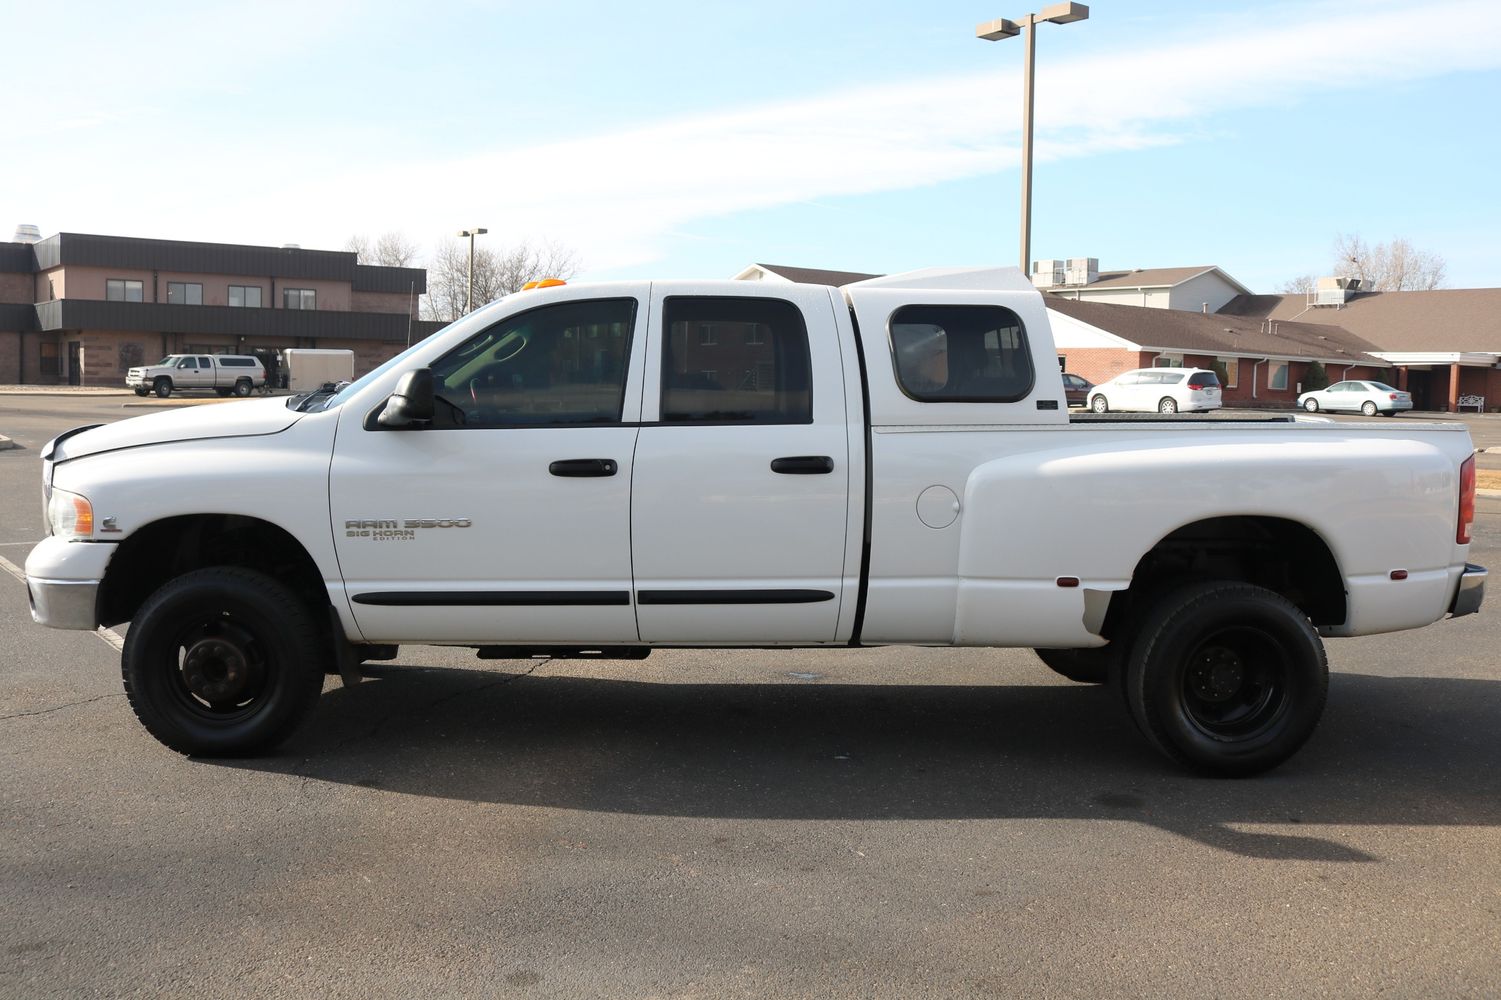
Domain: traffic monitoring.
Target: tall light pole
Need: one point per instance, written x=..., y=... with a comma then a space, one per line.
x=471, y=233
x=994, y=31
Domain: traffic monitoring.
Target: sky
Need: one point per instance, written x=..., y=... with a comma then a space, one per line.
x=668, y=139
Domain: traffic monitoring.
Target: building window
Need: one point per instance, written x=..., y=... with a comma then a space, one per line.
x=1232, y=371
x=1276, y=375
x=961, y=354
x=706, y=335
x=1168, y=361
x=184, y=293
x=121, y=290
x=299, y=298
x=246, y=296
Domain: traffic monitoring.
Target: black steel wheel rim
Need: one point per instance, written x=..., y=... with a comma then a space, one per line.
x=219, y=671
x=1236, y=683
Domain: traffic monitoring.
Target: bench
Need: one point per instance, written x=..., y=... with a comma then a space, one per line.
x=1476, y=401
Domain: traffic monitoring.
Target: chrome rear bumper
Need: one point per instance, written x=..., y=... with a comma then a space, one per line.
x=1471, y=592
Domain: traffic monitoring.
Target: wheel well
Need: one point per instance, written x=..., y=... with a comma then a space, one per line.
x=166, y=549
x=1280, y=555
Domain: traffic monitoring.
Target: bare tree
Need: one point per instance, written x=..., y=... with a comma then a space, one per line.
x=1397, y=266
x=1303, y=284
x=390, y=249
x=496, y=273
x=393, y=249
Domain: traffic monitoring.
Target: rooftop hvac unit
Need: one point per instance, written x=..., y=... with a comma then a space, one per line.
x=1047, y=273
x=1335, y=291
x=26, y=233
x=1082, y=270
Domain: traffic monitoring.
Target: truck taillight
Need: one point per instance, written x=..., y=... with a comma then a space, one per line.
x=1466, y=501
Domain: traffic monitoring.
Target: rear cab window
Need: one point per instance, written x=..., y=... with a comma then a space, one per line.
x=960, y=354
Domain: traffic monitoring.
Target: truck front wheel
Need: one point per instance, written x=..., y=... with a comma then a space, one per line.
x=1227, y=678
x=163, y=387
x=222, y=662
x=142, y=390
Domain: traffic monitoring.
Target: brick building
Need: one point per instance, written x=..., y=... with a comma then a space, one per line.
x=82, y=309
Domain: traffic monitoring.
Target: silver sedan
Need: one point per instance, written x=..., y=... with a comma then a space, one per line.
x=1355, y=396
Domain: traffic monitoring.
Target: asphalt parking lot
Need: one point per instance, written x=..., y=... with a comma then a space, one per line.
x=889, y=822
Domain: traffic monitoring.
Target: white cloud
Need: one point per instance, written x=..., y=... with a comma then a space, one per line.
x=619, y=197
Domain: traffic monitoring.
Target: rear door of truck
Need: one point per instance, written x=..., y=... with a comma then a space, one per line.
x=741, y=510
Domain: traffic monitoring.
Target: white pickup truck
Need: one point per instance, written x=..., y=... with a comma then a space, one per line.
x=240, y=374
x=605, y=469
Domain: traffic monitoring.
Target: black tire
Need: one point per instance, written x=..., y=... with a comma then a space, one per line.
x=1084, y=666
x=1226, y=678
x=142, y=390
x=1167, y=404
x=1100, y=404
x=222, y=662
x=1311, y=405
x=243, y=388
x=163, y=387
x=1368, y=408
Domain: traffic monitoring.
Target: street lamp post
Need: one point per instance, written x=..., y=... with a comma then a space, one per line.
x=994, y=31
x=471, y=233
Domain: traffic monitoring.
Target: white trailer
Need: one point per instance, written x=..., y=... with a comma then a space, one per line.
x=307, y=369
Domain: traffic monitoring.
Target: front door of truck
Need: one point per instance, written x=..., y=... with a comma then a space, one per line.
x=739, y=510
x=508, y=519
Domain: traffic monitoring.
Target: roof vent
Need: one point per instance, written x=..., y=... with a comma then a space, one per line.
x=27, y=233
x=291, y=246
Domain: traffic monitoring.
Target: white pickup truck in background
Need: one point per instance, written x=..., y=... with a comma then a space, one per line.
x=240, y=374
x=606, y=469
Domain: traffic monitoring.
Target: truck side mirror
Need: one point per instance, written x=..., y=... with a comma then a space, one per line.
x=411, y=405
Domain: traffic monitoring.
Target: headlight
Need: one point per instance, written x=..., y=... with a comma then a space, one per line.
x=69, y=515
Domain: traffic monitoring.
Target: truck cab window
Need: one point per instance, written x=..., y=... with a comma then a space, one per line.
x=562, y=364
x=735, y=361
x=950, y=354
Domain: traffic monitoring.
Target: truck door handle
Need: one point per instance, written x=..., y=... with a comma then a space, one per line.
x=803, y=465
x=579, y=468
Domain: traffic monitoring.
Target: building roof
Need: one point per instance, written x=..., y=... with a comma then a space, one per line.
x=812, y=275
x=90, y=250
x=1219, y=334
x=1150, y=277
x=1453, y=319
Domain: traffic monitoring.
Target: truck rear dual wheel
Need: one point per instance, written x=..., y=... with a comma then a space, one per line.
x=222, y=662
x=1226, y=678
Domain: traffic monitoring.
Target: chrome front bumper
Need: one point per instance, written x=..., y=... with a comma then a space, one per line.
x=62, y=582
x=63, y=603
x=1471, y=592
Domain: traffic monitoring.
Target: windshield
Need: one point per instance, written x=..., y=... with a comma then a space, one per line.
x=170, y=359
